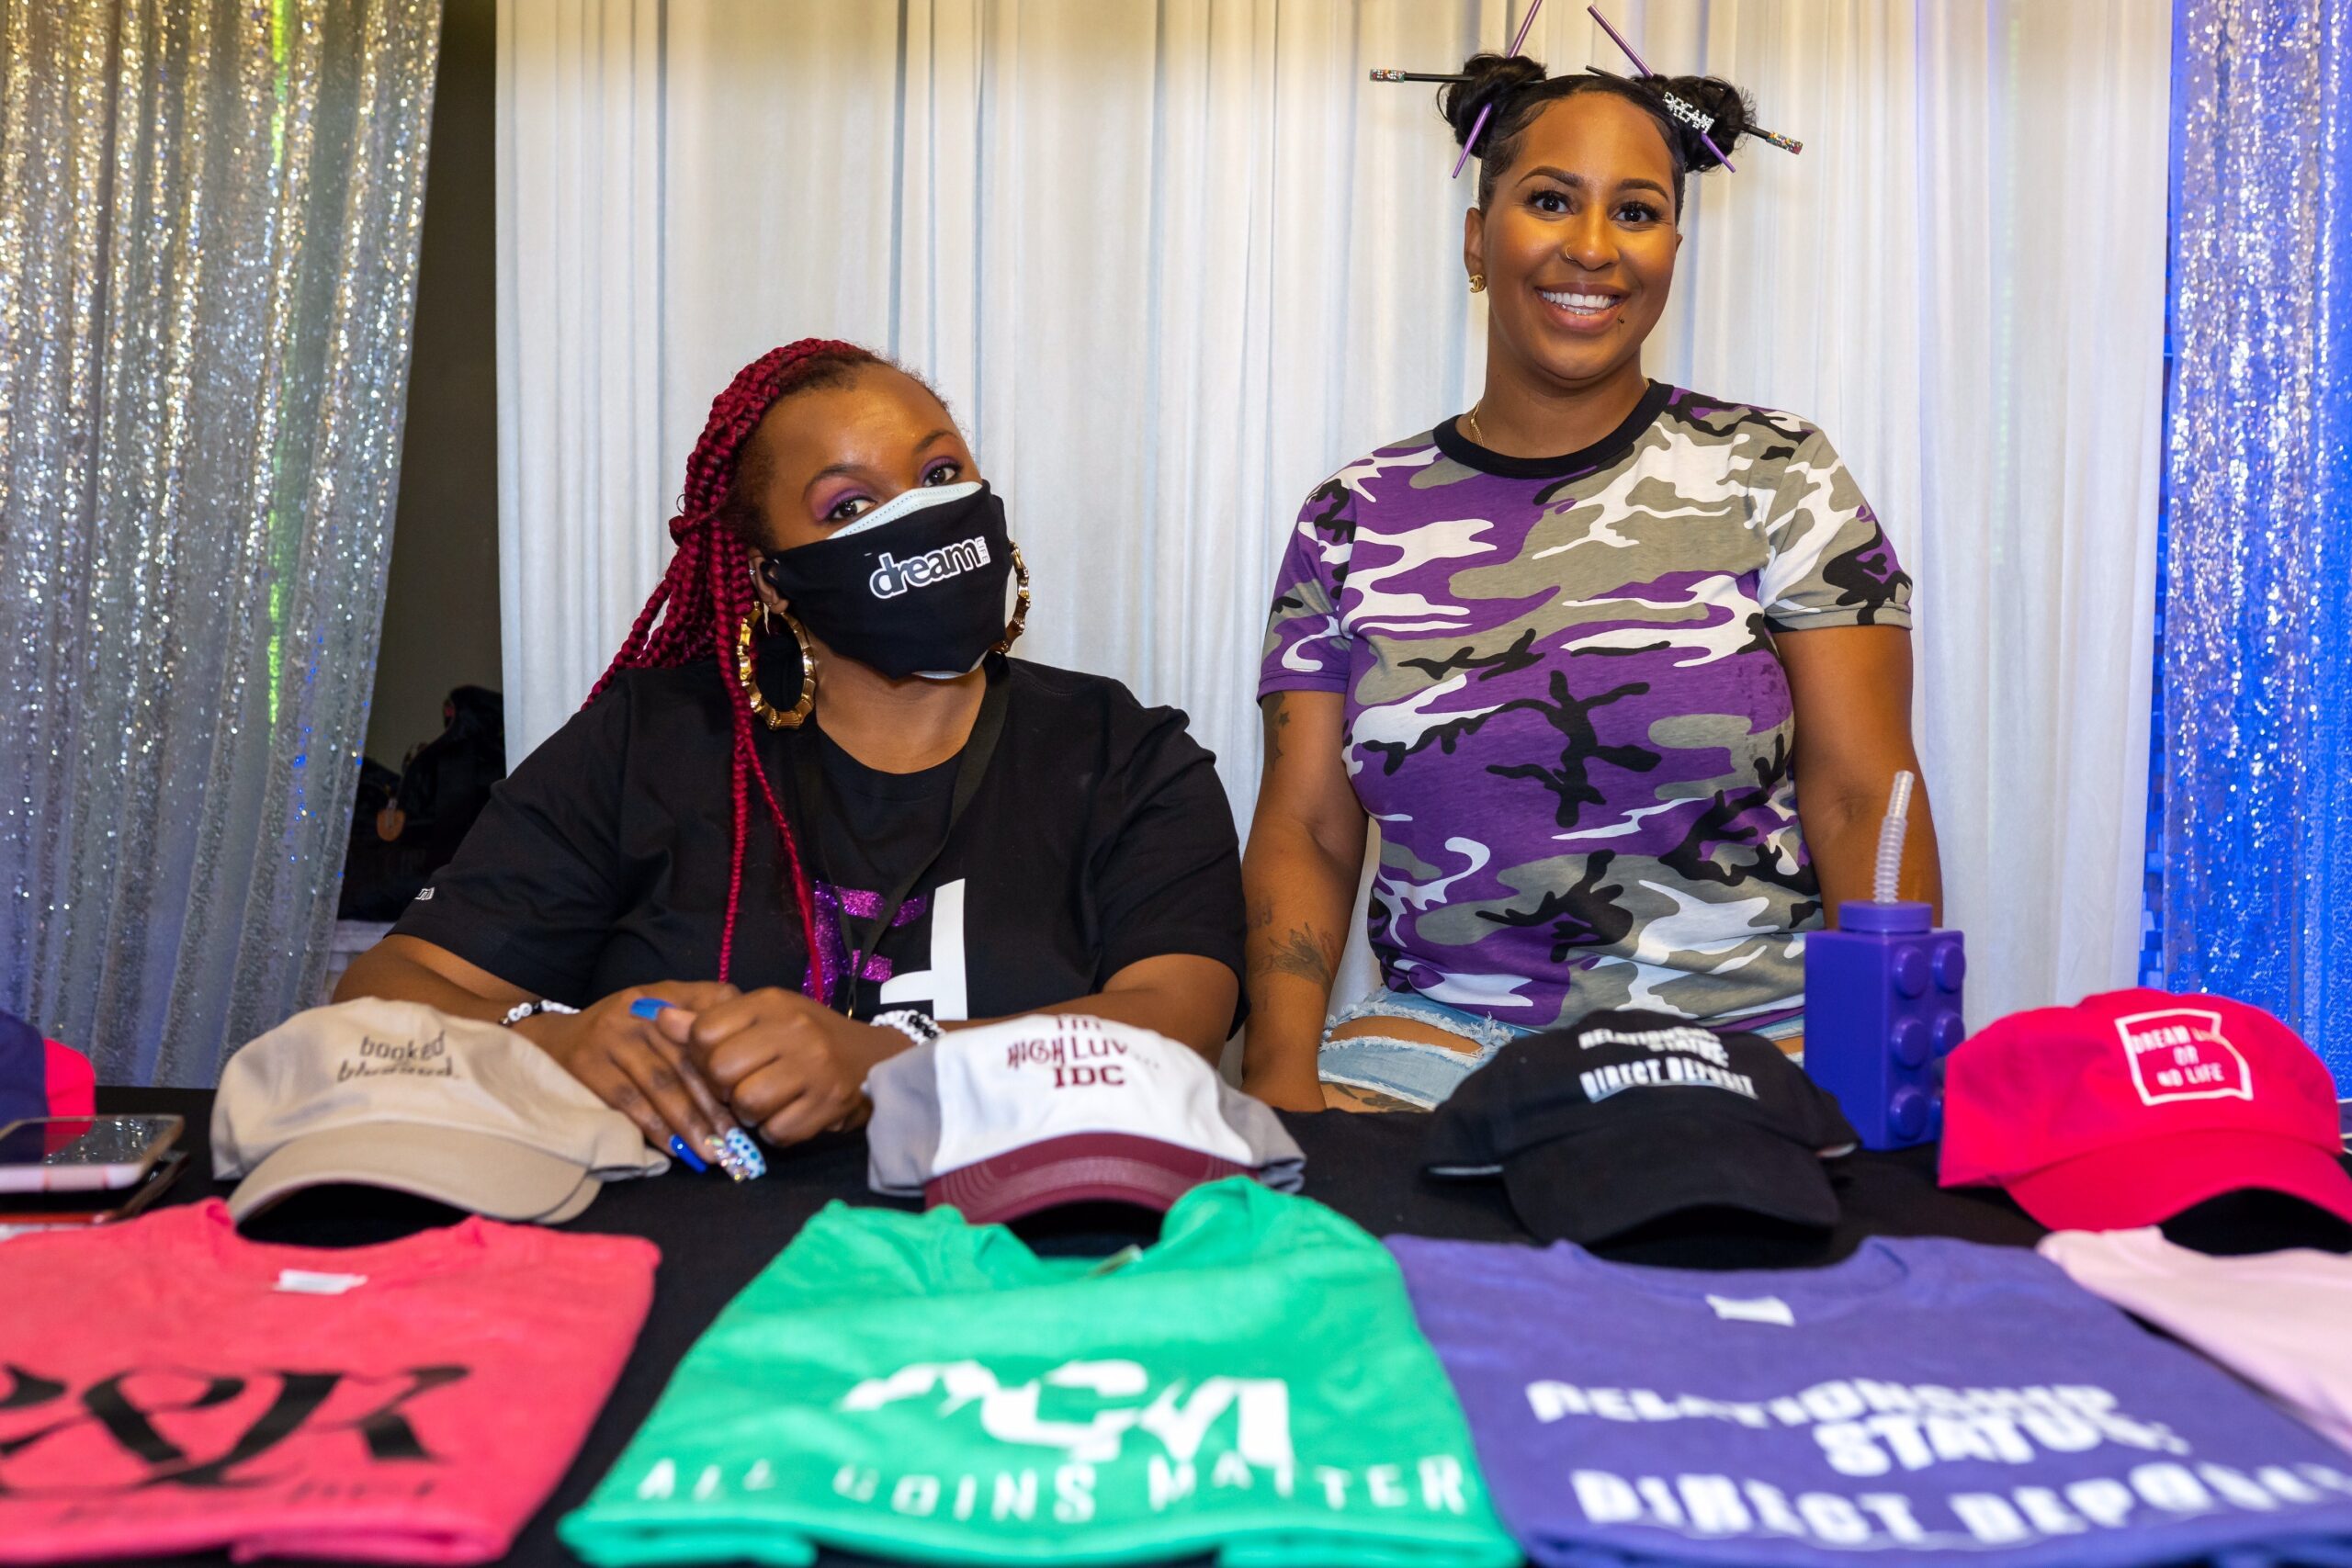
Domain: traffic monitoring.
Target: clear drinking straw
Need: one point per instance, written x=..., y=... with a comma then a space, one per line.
x=1888, y=869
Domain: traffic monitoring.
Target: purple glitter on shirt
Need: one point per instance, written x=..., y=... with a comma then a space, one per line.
x=860, y=904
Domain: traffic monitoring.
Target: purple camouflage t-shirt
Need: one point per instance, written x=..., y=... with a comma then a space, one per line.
x=1565, y=708
x=1927, y=1401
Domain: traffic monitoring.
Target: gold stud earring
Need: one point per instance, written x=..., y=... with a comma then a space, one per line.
x=1478, y=283
x=766, y=626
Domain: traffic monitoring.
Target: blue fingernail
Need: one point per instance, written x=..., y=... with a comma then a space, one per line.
x=693, y=1161
x=648, y=1006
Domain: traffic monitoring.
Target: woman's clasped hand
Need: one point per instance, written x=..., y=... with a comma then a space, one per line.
x=638, y=1068
x=716, y=1058
x=785, y=1065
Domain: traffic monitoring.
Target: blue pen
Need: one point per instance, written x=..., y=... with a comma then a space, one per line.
x=694, y=1162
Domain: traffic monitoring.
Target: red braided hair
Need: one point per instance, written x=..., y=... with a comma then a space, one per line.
x=707, y=592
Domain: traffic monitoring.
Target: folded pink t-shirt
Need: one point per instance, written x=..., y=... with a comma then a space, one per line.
x=2280, y=1320
x=171, y=1387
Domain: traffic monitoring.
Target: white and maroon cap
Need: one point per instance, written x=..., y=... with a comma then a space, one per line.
x=1015, y=1117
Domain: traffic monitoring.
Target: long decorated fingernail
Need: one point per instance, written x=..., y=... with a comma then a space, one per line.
x=694, y=1162
x=648, y=1006
x=740, y=1156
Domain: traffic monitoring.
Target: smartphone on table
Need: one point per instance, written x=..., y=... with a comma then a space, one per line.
x=82, y=1154
x=22, y=1212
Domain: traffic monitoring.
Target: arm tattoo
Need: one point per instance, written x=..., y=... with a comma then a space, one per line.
x=1305, y=953
x=1277, y=721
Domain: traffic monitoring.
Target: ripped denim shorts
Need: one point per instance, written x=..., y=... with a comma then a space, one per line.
x=1424, y=1076
x=1410, y=1070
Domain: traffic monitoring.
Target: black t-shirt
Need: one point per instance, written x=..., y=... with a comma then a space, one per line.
x=1098, y=837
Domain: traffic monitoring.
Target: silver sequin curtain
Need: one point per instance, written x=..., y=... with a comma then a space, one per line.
x=209, y=216
x=2258, y=620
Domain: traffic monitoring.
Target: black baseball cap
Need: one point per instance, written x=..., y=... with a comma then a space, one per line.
x=1627, y=1117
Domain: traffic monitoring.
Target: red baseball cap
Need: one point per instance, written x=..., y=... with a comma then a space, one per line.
x=72, y=1083
x=2132, y=1106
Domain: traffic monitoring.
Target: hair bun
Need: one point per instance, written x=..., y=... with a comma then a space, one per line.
x=1732, y=112
x=1490, y=79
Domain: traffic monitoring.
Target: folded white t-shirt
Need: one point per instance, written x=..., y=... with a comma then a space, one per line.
x=2280, y=1320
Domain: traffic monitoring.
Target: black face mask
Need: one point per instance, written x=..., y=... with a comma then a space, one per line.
x=916, y=587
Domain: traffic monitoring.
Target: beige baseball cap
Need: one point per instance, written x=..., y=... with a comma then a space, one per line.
x=400, y=1095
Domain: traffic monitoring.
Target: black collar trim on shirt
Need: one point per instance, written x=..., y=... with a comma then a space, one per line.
x=1600, y=453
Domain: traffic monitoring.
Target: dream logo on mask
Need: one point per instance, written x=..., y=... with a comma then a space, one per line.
x=893, y=577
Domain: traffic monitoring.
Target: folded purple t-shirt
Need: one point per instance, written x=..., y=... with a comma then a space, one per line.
x=1926, y=1401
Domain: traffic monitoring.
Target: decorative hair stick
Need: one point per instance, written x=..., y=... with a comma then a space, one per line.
x=1644, y=67
x=1692, y=115
x=1487, y=109
x=1390, y=74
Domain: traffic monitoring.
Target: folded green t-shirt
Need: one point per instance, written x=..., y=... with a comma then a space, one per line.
x=911, y=1386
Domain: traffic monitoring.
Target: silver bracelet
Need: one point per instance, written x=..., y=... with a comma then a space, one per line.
x=522, y=1011
x=917, y=1027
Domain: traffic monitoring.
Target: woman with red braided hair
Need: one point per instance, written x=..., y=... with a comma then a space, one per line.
x=812, y=790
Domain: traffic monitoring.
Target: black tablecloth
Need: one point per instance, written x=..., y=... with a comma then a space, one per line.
x=715, y=1234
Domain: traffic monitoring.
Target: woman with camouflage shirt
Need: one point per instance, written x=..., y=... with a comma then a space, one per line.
x=1573, y=650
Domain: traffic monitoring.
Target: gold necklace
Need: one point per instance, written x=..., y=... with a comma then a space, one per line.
x=1475, y=434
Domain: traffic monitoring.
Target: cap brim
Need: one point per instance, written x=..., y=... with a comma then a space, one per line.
x=1613, y=1179
x=489, y=1175
x=2126, y=1185
x=1083, y=1167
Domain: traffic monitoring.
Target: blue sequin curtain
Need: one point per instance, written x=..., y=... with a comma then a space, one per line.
x=209, y=216
x=2258, y=645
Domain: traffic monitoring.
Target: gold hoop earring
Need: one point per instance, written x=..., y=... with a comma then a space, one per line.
x=747, y=675
x=1020, y=622
x=1478, y=283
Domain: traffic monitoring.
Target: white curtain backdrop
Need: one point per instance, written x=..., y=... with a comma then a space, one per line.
x=1171, y=263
